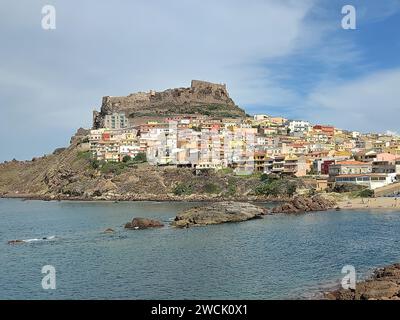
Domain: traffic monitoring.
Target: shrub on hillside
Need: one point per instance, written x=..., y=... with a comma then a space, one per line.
x=367, y=193
x=211, y=188
x=183, y=189
x=275, y=187
x=347, y=187
x=140, y=157
x=112, y=167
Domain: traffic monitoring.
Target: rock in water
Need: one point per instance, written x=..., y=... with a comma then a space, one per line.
x=302, y=204
x=15, y=241
x=143, y=223
x=219, y=212
x=109, y=230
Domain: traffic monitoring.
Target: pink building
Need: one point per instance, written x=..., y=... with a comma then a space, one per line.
x=391, y=158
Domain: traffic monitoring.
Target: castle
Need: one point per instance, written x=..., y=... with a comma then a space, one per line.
x=202, y=98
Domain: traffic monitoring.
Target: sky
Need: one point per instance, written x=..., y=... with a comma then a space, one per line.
x=288, y=58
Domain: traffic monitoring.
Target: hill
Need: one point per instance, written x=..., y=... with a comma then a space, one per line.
x=202, y=98
x=72, y=174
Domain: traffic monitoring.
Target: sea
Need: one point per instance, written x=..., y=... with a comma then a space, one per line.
x=277, y=257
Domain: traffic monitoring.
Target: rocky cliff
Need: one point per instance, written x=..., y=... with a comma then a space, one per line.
x=202, y=98
x=71, y=174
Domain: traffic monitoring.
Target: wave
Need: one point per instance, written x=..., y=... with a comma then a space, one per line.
x=39, y=239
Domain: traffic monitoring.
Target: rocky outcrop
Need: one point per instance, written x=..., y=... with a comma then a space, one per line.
x=301, y=204
x=57, y=178
x=219, y=212
x=384, y=284
x=143, y=223
x=80, y=135
x=15, y=242
x=203, y=98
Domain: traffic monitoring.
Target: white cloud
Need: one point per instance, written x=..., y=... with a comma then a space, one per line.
x=372, y=102
x=55, y=78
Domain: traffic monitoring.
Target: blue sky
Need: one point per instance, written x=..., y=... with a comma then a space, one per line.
x=289, y=58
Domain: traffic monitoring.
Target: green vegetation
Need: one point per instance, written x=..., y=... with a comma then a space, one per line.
x=140, y=158
x=211, y=188
x=227, y=115
x=347, y=187
x=85, y=155
x=312, y=192
x=353, y=190
x=112, y=167
x=291, y=188
x=183, y=189
x=276, y=187
x=59, y=150
x=213, y=107
x=231, y=189
x=143, y=114
x=267, y=178
x=198, y=129
x=367, y=193
x=225, y=171
x=95, y=164
x=312, y=172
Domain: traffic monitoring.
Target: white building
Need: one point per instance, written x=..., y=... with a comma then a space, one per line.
x=299, y=126
x=259, y=117
x=116, y=121
x=370, y=180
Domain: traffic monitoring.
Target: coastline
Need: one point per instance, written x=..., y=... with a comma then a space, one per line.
x=379, y=203
x=146, y=197
x=384, y=203
x=382, y=284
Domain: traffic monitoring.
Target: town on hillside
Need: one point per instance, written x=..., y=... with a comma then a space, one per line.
x=258, y=144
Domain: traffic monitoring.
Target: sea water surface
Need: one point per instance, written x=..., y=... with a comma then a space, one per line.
x=278, y=257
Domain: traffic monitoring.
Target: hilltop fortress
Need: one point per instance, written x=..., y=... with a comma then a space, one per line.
x=202, y=98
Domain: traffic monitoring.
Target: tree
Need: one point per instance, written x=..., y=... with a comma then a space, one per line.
x=367, y=193
x=140, y=157
x=126, y=159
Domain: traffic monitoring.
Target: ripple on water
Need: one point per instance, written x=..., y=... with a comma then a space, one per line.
x=273, y=258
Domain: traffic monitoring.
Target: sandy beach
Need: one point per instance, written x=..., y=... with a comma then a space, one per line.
x=370, y=203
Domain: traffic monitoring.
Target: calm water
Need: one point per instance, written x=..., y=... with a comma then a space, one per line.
x=274, y=258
